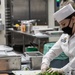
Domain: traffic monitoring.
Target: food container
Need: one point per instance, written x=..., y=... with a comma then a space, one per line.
x=26, y=26
x=35, y=59
x=30, y=49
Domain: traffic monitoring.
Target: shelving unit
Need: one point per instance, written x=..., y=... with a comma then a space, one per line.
x=8, y=21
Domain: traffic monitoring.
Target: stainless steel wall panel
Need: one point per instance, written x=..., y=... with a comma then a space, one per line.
x=30, y=9
x=20, y=10
x=39, y=11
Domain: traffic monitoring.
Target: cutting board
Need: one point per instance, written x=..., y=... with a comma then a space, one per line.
x=34, y=72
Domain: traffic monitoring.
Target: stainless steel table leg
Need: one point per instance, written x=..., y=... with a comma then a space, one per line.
x=23, y=43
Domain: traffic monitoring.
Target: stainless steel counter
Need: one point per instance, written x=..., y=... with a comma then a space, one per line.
x=34, y=72
x=23, y=38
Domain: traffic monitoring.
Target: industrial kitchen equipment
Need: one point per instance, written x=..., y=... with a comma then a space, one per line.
x=8, y=63
x=35, y=59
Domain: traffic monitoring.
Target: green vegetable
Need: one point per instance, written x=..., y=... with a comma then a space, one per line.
x=47, y=73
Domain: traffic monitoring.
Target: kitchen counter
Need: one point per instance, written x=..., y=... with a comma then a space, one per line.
x=30, y=34
x=23, y=38
x=33, y=72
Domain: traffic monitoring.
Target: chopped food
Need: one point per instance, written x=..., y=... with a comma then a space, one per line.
x=50, y=73
x=47, y=73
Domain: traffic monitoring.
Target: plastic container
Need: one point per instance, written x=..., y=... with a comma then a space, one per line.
x=47, y=46
x=23, y=28
x=26, y=26
x=30, y=49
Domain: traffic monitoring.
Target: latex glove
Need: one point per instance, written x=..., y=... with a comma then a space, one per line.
x=51, y=70
x=43, y=68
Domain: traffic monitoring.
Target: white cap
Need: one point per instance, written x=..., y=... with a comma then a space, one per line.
x=64, y=12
